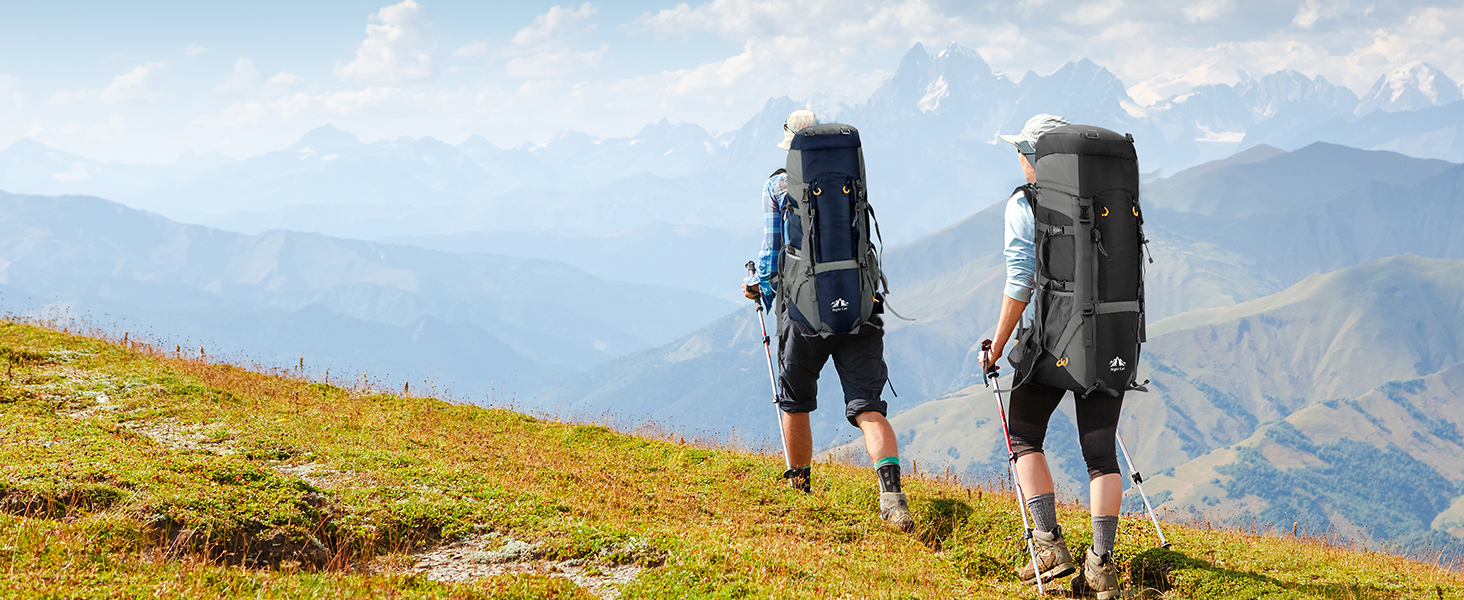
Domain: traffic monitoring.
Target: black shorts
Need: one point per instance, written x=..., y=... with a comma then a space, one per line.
x=858, y=357
x=1032, y=406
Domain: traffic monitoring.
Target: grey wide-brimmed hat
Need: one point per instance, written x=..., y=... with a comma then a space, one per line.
x=797, y=120
x=1036, y=126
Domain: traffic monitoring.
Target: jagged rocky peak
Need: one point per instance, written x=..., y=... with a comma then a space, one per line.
x=1083, y=78
x=327, y=137
x=1410, y=87
x=960, y=64
x=914, y=71
x=666, y=132
x=479, y=146
x=955, y=50
x=1268, y=94
x=825, y=106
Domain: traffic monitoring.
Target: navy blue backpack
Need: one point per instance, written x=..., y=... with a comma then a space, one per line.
x=830, y=274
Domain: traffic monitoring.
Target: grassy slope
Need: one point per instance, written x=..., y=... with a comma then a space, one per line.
x=112, y=513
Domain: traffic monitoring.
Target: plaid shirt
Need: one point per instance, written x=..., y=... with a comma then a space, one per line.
x=767, y=260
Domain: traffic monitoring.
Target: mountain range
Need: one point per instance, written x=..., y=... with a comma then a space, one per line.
x=929, y=139
x=471, y=321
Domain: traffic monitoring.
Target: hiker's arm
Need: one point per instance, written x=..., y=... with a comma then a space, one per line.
x=1011, y=313
x=1021, y=266
x=767, y=258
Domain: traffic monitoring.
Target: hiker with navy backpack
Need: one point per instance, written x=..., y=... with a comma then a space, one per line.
x=821, y=271
x=1074, y=283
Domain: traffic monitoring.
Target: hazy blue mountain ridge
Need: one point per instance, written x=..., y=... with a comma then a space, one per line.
x=546, y=315
x=951, y=281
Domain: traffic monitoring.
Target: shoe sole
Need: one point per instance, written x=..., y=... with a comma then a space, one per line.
x=902, y=527
x=1057, y=572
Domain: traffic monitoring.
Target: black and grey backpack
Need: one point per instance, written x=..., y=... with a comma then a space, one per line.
x=830, y=273
x=1089, y=239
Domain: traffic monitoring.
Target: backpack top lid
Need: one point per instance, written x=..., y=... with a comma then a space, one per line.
x=1086, y=140
x=826, y=135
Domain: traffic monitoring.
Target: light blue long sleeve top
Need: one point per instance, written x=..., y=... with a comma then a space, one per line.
x=1020, y=251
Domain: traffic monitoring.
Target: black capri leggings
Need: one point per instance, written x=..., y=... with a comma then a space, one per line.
x=1032, y=406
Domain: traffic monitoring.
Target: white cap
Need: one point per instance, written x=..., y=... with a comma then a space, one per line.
x=797, y=120
x=1036, y=126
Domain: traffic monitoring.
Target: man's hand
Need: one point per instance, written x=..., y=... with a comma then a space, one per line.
x=753, y=292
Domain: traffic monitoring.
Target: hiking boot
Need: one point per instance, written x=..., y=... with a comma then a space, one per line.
x=1099, y=578
x=800, y=479
x=894, y=510
x=1052, y=556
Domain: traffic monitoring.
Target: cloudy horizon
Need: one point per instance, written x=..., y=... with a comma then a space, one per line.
x=144, y=85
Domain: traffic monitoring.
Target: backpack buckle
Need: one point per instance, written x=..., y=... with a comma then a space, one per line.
x=1088, y=310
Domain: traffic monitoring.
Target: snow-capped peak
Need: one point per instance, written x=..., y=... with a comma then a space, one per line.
x=956, y=50
x=1410, y=87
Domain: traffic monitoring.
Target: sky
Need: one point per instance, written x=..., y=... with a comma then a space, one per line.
x=145, y=81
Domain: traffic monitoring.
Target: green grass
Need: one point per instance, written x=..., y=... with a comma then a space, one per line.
x=276, y=487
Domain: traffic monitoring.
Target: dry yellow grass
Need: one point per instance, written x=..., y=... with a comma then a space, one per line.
x=360, y=475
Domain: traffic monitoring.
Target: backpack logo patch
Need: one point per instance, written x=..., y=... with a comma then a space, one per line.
x=839, y=305
x=1062, y=362
x=1116, y=364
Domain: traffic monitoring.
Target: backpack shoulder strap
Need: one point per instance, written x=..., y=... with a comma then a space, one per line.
x=1030, y=191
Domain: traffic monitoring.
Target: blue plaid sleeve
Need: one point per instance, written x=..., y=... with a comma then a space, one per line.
x=767, y=259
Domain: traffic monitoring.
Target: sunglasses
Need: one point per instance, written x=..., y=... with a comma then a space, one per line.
x=1026, y=148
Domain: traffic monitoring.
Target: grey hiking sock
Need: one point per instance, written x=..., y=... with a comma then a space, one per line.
x=1105, y=528
x=1044, y=512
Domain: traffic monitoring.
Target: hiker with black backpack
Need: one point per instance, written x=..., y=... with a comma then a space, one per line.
x=1073, y=238
x=817, y=252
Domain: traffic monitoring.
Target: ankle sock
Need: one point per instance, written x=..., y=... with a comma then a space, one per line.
x=1044, y=512
x=1105, y=528
x=888, y=469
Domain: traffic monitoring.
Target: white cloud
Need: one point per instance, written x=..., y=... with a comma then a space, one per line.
x=1091, y=13
x=141, y=83
x=244, y=77
x=541, y=49
x=1208, y=10
x=245, y=114
x=471, y=50
x=555, y=63
x=1312, y=11
x=194, y=50
x=548, y=26
x=399, y=46
x=285, y=79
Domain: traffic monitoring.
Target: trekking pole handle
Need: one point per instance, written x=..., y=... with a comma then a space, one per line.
x=752, y=272
x=987, y=371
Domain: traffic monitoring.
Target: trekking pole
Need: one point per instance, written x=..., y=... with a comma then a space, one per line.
x=773, y=379
x=1012, y=458
x=1139, y=482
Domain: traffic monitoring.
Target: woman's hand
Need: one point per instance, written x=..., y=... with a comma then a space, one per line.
x=988, y=360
